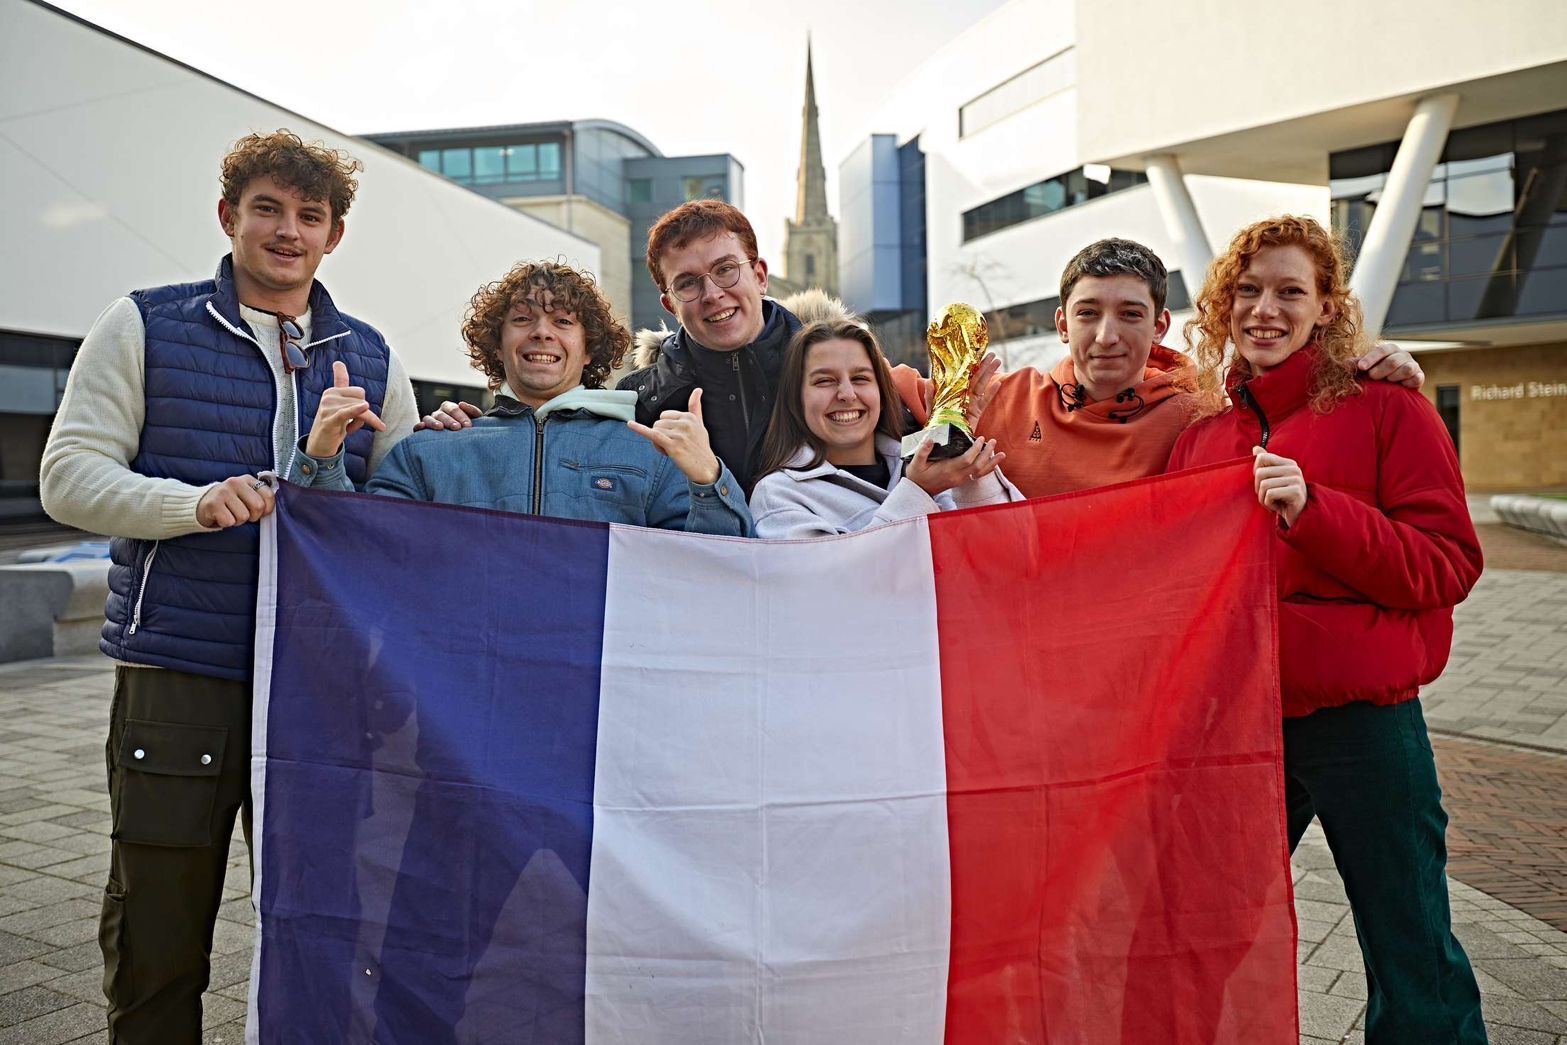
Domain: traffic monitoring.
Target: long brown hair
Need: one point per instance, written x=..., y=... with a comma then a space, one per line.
x=787, y=431
x=1341, y=339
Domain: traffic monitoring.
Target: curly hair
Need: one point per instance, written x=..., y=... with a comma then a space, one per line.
x=317, y=172
x=558, y=286
x=697, y=219
x=1341, y=339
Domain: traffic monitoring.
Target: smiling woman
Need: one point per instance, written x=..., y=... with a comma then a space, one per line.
x=1375, y=547
x=831, y=462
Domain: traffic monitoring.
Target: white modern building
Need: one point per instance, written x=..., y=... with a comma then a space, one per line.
x=976, y=185
x=109, y=157
x=1439, y=131
x=1433, y=136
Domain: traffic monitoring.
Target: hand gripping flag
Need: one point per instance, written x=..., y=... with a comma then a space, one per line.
x=1004, y=775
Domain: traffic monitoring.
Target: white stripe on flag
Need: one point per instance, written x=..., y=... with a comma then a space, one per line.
x=770, y=828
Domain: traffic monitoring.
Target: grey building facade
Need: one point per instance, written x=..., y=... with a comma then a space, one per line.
x=596, y=178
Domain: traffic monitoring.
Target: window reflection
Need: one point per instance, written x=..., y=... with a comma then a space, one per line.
x=1491, y=241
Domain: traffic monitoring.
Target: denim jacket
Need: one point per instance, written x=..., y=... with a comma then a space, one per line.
x=573, y=458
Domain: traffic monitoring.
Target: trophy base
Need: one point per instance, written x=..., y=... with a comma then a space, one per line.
x=950, y=440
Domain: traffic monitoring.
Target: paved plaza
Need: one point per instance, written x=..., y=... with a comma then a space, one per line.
x=1499, y=724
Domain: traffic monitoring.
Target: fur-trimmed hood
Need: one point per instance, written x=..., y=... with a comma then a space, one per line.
x=809, y=306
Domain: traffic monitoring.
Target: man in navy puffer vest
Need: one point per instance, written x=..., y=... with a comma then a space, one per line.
x=178, y=398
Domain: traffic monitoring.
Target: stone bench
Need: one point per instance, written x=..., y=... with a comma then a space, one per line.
x=1538, y=514
x=51, y=609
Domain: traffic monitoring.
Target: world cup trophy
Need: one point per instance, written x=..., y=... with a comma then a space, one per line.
x=957, y=339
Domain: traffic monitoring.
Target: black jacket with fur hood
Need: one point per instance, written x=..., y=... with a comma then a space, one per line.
x=739, y=388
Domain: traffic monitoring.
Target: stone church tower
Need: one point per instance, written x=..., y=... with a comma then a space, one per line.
x=811, y=239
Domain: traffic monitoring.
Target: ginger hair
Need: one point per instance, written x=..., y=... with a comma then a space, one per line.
x=1341, y=339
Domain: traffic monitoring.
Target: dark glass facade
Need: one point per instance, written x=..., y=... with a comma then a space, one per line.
x=1491, y=241
x=33, y=369
x=1044, y=197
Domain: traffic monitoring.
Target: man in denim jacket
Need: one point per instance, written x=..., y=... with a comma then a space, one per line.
x=556, y=442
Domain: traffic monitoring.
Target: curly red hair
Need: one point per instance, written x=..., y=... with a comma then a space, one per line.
x=1341, y=339
x=563, y=287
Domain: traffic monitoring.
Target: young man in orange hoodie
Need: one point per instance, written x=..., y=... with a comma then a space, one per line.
x=1112, y=409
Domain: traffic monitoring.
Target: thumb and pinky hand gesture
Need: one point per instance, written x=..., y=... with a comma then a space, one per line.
x=682, y=436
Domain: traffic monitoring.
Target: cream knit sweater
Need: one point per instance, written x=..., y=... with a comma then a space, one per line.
x=85, y=477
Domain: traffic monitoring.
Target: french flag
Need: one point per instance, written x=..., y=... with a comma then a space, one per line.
x=1003, y=775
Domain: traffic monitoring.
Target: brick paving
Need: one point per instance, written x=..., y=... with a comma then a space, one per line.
x=1508, y=831
x=1504, y=689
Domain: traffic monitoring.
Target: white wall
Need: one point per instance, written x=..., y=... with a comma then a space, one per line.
x=1024, y=262
x=1152, y=76
x=109, y=159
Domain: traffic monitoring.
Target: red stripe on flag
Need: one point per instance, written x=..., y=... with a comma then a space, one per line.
x=1114, y=767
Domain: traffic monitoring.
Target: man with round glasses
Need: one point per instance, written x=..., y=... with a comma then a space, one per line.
x=178, y=397
x=731, y=338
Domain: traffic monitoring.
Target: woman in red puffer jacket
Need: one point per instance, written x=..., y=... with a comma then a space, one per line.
x=1375, y=547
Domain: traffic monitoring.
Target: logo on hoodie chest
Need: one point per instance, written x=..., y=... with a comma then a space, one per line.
x=1036, y=436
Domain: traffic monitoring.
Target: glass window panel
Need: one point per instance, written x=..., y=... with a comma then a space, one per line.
x=1340, y=188
x=1481, y=255
x=639, y=190
x=1543, y=293
x=1424, y=262
x=1076, y=188
x=522, y=164
x=1484, y=201
x=1464, y=296
x=691, y=188
x=1543, y=248
x=430, y=159
x=457, y=163
x=489, y=164
x=1481, y=165
x=549, y=160
x=1491, y=142
x=1415, y=304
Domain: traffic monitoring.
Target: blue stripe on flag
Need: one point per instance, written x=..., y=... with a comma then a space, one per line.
x=427, y=806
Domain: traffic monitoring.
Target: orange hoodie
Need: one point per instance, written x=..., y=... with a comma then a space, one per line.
x=1053, y=445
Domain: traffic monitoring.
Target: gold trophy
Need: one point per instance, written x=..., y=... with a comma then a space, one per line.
x=957, y=340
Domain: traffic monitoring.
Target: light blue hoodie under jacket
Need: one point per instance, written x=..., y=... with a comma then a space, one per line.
x=572, y=458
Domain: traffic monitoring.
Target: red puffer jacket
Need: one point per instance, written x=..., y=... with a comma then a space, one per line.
x=1371, y=570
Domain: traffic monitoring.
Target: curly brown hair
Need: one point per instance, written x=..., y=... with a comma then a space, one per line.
x=1342, y=340
x=559, y=287
x=317, y=172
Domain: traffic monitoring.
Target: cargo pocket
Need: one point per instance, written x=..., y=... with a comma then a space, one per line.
x=167, y=783
x=111, y=940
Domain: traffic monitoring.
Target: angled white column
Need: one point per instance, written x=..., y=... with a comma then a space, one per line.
x=1193, y=255
x=1393, y=225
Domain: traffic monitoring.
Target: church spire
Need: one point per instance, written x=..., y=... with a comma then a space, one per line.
x=811, y=190
x=811, y=239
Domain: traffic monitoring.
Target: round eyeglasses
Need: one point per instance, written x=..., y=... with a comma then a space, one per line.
x=724, y=275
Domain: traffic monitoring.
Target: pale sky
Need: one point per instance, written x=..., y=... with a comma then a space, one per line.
x=694, y=76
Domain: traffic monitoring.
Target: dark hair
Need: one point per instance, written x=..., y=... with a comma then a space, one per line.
x=697, y=219
x=315, y=171
x=567, y=290
x=1117, y=257
x=788, y=431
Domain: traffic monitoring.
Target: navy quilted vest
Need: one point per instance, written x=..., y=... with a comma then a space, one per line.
x=190, y=602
